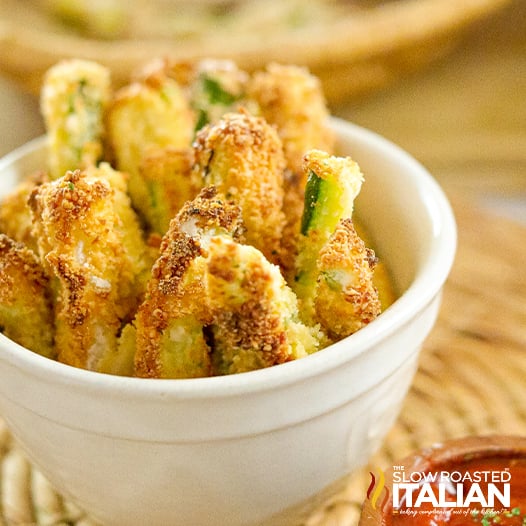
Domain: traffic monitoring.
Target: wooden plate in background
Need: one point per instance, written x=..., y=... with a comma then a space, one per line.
x=365, y=47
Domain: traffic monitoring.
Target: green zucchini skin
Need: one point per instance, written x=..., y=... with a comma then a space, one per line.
x=312, y=192
x=332, y=186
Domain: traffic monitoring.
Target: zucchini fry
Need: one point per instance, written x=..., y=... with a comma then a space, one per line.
x=333, y=184
x=81, y=243
x=256, y=320
x=26, y=313
x=292, y=100
x=382, y=278
x=109, y=19
x=15, y=214
x=167, y=173
x=169, y=323
x=242, y=156
x=143, y=116
x=74, y=97
x=219, y=88
x=346, y=298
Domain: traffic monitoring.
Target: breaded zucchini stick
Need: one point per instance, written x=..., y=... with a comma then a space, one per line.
x=15, y=215
x=333, y=184
x=256, y=320
x=74, y=97
x=26, y=313
x=346, y=298
x=292, y=100
x=167, y=173
x=143, y=116
x=169, y=323
x=136, y=252
x=213, y=86
x=81, y=241
x=108, y=19
x=382, y=278
x=242, y=156
x=219, y=87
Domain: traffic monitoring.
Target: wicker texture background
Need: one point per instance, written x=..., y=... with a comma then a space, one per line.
x=471, y=380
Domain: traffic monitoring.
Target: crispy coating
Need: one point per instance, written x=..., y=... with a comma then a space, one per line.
x=184, y=72
x=216, y=163
x=345, y=178
x=143, y=116
x=74, y=98
x=26, y=314
x=346, y=297
x=215, y=86
x=81, y=242
x=15, y=215
x=291, y=99
x=169, y=323
x=242, y=155
x=167, y=173
x=255, y=315
x=340, y=181
x=382, y=278
x=139, y=256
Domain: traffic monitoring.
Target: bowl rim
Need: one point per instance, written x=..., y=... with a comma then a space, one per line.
x=421, y=292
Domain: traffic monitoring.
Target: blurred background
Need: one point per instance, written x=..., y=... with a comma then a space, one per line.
x=465, y=116
x=444, y=79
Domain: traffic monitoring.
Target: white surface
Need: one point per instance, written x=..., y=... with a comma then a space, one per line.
x=238, y=450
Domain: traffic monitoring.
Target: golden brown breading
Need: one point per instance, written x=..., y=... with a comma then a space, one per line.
x=184, y=72
x=242, y=155
x=333, y=184
x=291, y=99
x=346, y=298
x=167, y=173
x=169, y=323
x=15, y=215
x=293, y=203
x=81, y=242
x=74, y=97
x=26, y=314
x=382, y=278
x=255, y=315
x=219, y=87
x=144, y=116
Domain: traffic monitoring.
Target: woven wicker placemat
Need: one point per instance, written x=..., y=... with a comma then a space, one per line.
x=471, y=379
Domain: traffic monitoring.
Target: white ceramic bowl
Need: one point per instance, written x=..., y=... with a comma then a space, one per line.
x=253, y=448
